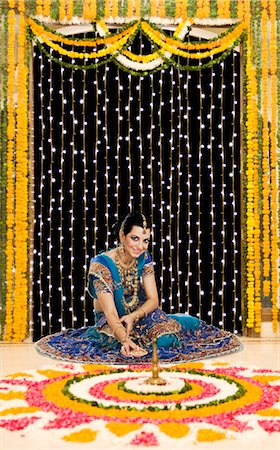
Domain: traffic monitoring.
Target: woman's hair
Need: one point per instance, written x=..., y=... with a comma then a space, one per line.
x=132, y=219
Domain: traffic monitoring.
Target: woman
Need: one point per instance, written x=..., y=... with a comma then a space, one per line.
x=128, y=318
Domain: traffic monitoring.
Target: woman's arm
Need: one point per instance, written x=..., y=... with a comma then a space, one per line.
x=150, y=287
x=106, y=301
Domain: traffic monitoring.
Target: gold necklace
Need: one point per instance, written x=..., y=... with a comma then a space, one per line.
x=129, y=279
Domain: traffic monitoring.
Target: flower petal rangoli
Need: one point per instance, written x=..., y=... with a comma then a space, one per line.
x=82, y=403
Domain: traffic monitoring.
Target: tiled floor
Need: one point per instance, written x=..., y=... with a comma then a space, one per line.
x=264, y=353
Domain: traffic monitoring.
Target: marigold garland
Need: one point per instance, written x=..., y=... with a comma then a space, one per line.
x=119, y=41
x=21, y=209
x=154, y=7
x=93, y=10
x=41, y=31
x=223, y=7
x=69, y=10
x=39, y=7
x=62, y=9
x=107, y=10
x=130, y=9
x=257, y=215
x=117, y=46
x=240, y=10
x=266, y=244
x=251, y=160
x=226, y=38
x=10, y=197
x=86, y=9
x=273, y=167
x=115, y=8
x=47, y=8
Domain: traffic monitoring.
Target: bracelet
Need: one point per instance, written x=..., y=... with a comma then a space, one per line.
x=115, y=329
x=137, y=318
x=142, y=309
x=124, y=339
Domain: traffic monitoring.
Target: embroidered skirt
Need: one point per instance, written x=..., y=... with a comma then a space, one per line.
x=180, y=338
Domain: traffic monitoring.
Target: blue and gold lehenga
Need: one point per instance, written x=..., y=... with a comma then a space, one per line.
x=180, y=337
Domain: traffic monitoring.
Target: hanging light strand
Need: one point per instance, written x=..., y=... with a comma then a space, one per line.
x=51, y=206
x=118, y=156
x=107, y=151
x=179, y=192
x=140, y=145
x=129, y=131
x=235, y=218
x=72, y=192
x=85, y=196
x=42, y=190
x=96, y=160
x=188, y=213
x=170, y=189
x=161, y=181
x=198, y=195
x=222, y=197
x=139, y=134
x=152, y=160
x=32, y=214
x=213, y=210
x=61, y=202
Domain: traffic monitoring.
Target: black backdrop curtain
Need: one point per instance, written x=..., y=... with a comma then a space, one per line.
x=168, y=143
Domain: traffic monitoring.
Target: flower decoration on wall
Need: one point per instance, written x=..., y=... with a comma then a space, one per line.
x=245, y=19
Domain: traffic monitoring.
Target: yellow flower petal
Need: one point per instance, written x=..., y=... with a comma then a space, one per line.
x=266, y=379
x=121, y=429
x=53, y=373
x=94, y=367
x=174, y=429
x=20, y=374
x=20, y=410
x=85, y=435
x=207, y=435
x=269, y=412
x=12, y=395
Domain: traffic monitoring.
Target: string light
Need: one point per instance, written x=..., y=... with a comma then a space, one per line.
x=61, y=206
x=126, y=143
x=84, y=198
x=198, y=197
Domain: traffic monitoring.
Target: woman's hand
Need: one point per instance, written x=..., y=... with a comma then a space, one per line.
x=128, y=321
x=129, y=348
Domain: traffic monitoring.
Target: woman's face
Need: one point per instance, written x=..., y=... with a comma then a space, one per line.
x=136, y=241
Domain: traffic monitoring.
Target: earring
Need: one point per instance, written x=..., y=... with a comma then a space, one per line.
x=146, y=255
x=122, y=249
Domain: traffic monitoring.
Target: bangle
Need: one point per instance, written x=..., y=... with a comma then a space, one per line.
x=115, y=329
x=137, y=318
x=142, y=309
x=124, y=339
